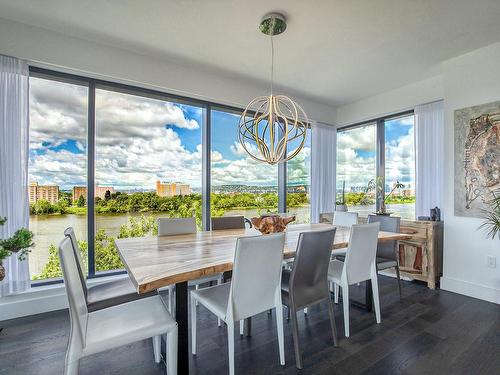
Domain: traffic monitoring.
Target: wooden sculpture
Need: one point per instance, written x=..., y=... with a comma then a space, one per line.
x=271, y=223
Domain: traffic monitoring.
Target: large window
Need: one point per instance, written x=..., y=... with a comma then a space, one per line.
x=57, y=162
x=375, y=164
x=400, y=166
x=147, y=165
x=356, y=168
x=109, y=159
x=240, y=185
x=298, y=182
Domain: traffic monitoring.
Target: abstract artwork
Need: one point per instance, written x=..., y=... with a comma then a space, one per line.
x=477, y=158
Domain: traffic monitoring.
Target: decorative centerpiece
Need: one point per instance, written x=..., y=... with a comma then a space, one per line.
x=267, y=224
x=20, y=244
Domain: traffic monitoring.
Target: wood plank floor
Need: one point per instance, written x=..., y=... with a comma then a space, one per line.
x=427, y=332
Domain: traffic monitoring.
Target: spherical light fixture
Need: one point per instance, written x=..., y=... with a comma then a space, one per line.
x=272, y=129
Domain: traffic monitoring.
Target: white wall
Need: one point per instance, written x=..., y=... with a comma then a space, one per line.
x=397, y=100
x=467, y=80
x=65, y=53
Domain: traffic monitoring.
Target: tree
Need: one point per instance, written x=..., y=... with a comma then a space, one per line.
x=81, y=201
x=107, y=195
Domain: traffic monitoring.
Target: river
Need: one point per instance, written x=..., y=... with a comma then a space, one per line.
x=48, y=229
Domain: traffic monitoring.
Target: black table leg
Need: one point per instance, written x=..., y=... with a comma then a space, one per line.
x=368, y=295
x=248, y=327
x=181, y=315
x=368, y=304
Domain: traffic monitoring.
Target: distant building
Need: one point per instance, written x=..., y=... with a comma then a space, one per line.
x=172, y=189
x=100, y=191
x=50, y=193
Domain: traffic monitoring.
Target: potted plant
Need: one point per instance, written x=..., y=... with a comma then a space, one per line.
x=378, y=186
x=340, y=203
x=492, y=219
x=20, y=243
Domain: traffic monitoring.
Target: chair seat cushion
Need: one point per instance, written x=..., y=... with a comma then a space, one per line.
x=126, y=323
x=214, y=298
x=383, y=263
x=113, y=293
x=335, y=271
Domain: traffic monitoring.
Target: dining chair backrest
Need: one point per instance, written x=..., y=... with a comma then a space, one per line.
x=345, y=219
x=77, y=303
x=361, y=253
x=326, y=217
x=70, y=233
x=309, y=277
x=170, y=226
x=256, y=276
x=386, y=250
x=228, y=222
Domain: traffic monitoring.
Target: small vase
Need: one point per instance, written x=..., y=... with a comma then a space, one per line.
x=2, y=272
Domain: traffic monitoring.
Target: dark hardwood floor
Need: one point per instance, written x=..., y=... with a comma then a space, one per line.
x=427, y=332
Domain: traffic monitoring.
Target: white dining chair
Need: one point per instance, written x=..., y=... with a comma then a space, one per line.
x=359, y=265
x=343, y=219
x=104, y=294
x=175, y=226
x=255, y=287
x=94, y=332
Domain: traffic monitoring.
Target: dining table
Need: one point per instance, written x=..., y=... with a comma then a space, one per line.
x=156, y=262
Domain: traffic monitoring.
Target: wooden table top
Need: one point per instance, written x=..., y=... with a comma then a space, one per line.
x=155, y=262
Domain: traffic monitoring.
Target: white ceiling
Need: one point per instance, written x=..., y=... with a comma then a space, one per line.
x=334, y=51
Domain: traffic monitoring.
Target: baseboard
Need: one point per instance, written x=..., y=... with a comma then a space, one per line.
x=483, y=292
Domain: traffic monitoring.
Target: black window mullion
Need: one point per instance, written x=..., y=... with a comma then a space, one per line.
x=206, y=138
x=380, y=162
x=91, y=180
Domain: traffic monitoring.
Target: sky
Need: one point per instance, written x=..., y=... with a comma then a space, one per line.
x=138, y=141
x=356, y=154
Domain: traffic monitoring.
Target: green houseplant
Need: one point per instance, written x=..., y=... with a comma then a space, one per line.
x=378, y=185
x=492, y=218
x=340, y=204
x=20, y=243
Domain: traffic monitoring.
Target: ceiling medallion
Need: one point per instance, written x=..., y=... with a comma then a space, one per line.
x=272, y=129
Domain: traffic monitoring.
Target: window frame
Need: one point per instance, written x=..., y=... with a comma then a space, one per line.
x=206, y=107
x=379, y=122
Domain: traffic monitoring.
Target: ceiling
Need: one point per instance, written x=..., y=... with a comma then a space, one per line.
x=333, y=51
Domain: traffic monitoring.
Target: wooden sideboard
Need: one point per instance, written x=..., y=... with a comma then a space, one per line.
x=420, y=258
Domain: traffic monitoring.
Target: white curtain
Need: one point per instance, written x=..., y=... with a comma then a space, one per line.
x=14, y=165
x=429, y=155
x=323, y=158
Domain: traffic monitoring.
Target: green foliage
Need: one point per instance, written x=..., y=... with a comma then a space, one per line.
x=20, y=243
x=492, y=218
x=81, y=201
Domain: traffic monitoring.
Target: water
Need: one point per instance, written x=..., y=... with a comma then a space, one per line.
x=49, y=229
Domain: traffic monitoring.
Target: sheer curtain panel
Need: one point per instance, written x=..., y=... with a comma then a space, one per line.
x=429, y=157
x=323, y=157
x=14, y=203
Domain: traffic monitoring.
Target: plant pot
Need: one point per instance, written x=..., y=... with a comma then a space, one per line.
x=341, y=207
x=2, y=272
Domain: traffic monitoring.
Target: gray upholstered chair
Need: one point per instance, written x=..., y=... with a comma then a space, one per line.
x=107, y=294
x=229, y=222
x=307, y=283
x=387, y=253
x=107, y=328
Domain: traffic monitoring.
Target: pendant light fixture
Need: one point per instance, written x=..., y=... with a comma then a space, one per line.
x=272, y=129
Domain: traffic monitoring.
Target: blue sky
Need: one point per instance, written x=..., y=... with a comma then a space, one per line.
x=138, y=141
x=357, y=151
